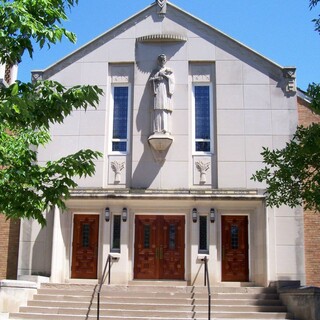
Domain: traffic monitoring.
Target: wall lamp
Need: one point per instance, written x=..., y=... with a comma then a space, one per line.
x=107, y=214
x=124, y=214
x=194, y=215
x=212, y=215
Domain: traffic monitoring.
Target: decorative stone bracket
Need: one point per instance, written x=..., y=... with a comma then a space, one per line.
x=117, y=167
x=289, y=73
x=202, y=167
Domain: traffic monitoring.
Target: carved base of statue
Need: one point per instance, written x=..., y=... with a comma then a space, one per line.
x=160, y=143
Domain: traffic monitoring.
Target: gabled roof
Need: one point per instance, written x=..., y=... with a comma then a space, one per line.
x=303, y=95
x=118, y=29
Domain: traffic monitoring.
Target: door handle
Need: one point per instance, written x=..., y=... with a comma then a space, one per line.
x=161, y=252
x=222, y=253
x=157, y=253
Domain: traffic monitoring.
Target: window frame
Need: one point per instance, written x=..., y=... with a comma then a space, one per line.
x=111, y=126
x=200, y=250
x=211, y=122
x=114, y=249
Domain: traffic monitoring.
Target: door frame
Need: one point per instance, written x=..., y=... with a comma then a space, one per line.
x=249, y=241
x=71, y=241
x=148, y=213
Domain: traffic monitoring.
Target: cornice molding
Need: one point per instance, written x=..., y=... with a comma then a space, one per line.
x=162, y=38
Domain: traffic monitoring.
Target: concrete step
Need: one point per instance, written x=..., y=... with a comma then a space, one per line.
x=235, y=302
x=111, y=294
x=165, y=283
x=124, y=290
x=238, y=296
x=169, y=314
x=110, y=301
x=146, y=300
x=138, y=305
x=70, y=317
x=118, y=298
x=105, y=308
x=238, y=308
x=214, y=316
x=251, y=290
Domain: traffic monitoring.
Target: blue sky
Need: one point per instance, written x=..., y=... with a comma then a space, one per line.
x=281, y=30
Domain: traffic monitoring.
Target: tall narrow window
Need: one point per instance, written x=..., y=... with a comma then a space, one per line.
x=203, y=234
x=116, y=232
x=120, y=119
x=202, y=114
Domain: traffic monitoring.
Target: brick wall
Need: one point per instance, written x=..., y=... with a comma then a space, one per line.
x=9, y=247
x=311, y=218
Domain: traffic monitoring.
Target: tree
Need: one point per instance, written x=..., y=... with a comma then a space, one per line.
x=27, y=110
x=312, y=5
x=292, y=174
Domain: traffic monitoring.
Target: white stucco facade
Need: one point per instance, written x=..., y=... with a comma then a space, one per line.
x=251, y=105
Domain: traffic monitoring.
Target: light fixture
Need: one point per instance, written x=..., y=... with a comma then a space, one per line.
x=107, y=214
x=194, y=215
x=124, y=214
x=212, y=215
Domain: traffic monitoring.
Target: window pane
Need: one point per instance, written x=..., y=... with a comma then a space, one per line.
x=85, y=235
x=116, y=232
x=203, y=146
x=146, y=240
x=119, y=146
x=234, y=237
x=120, y=114
x=172, y=236
x=202, y=112
x=203, y=233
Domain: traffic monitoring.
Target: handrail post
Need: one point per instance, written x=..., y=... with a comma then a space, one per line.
x=207, y=284
x=98, y=306
x=108, y=264
x=109, y=273
x=205, y=271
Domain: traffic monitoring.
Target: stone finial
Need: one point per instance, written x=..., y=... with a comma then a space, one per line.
x=202, y=168
x=36, y=76
x=289, y=73
x=117, y=167
x=162, y=4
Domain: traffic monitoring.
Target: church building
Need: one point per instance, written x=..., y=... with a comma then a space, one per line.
x=185, y=113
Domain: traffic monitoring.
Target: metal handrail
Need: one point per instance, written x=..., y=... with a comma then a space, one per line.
x=107, y=265
x=207, y=284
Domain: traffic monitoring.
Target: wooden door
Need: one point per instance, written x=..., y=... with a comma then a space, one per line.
x=235, y=248
x=159, y=247
x=85, y=246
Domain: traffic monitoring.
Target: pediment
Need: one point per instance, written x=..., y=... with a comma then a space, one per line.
x=175, y=26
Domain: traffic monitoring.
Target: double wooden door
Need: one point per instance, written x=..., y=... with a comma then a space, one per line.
x=85, y=246
x=235, y=265
x=159, y=247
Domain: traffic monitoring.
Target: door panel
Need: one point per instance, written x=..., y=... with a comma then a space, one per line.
x=85, y=246
x=173, y=248
x=159, y=247
x=146, y=250
x=235, y=248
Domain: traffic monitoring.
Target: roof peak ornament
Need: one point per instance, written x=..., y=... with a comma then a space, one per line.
x=162, y=4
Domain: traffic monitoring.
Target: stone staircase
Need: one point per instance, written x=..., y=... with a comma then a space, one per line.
x=154, y=301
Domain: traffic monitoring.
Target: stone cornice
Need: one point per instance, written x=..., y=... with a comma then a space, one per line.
x=162, y=38
x=166, y=194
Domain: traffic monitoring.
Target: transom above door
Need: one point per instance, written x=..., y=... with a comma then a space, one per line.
x=159, y=247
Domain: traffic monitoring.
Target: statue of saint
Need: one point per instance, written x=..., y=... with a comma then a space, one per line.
x=163, y=83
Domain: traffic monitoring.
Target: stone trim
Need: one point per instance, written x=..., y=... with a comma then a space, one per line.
x=162, y=38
